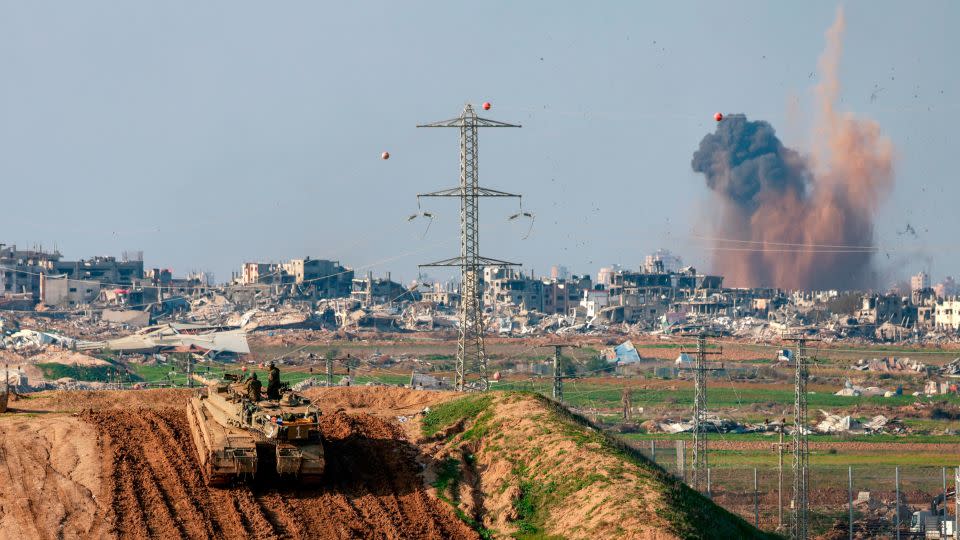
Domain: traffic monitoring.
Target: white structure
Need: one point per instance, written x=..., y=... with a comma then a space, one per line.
x=594, y=300
x=947, y=314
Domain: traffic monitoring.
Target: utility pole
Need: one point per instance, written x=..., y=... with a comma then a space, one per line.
x=700, y=462
x=779, y=447
x=627, y=401
x=329, y=362
x=471, y=358
x=557, y=375
x=801, y=447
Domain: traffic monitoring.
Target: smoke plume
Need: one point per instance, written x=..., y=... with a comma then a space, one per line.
x=793, y=221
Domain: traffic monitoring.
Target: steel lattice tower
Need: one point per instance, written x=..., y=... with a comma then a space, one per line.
x=801, y=447
x=700, y=461
x=471, y=359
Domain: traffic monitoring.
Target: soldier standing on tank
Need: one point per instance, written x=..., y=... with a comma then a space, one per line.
x=273, y=383
x=253, y=388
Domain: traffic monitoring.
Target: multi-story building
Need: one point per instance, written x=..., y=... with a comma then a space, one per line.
x=508, y=287
x=947, y=314
x=877, y=309
x=21, y=270
x=919, y=281
x=61, y=291
x=320, y=277
x=369, y=291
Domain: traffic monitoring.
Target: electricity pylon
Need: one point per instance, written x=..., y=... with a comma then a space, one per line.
x=471, y=359
x=700, y=460
x=801, y=447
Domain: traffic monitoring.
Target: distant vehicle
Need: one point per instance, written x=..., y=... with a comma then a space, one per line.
x=785, y=355
x=237, y=437
x=933, y=523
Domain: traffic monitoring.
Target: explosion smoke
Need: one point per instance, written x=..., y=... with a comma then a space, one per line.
x=798, y=222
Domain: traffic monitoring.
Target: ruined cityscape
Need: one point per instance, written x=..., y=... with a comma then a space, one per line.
x=794, y=382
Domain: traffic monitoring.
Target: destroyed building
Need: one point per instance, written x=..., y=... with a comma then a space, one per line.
x=21, y=271
x=647, y=296
x=877, y=309
x=315, y=278
x=369, y=291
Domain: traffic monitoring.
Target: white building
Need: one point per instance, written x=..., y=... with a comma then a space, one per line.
x=594, y=300
x=947, y=314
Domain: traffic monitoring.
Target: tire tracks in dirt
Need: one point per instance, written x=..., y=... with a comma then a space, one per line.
x=372, y=488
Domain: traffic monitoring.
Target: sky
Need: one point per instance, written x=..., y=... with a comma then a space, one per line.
x=207, y=134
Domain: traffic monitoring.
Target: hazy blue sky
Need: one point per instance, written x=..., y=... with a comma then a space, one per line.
x=210, y=133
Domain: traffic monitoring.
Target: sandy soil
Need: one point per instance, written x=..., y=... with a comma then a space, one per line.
x=603, y=496
x=125, y=467
x=51, y=478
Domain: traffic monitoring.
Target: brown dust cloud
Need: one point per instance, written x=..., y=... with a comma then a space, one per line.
x=798, y=221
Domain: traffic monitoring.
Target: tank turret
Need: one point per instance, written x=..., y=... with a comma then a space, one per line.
x=237, y=435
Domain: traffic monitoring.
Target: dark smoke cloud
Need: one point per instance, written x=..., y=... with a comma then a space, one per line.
x=789, y=221
x=746, y=163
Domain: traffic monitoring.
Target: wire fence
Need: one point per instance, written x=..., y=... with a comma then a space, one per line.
x=881, y=499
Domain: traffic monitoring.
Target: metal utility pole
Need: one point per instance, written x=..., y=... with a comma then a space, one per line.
x=626, y=400
x=801, y=447
x=700, y=462
x=779, y=447
x=329, y=362
x=471, y=359
x=557, y=375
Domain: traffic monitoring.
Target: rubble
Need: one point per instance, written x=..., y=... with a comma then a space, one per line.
x=175, y=337
x=32, y=339
x=834, y=423
x=890, y=364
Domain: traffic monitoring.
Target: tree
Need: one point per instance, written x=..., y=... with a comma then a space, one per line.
x=599, y=364
x=567, y=367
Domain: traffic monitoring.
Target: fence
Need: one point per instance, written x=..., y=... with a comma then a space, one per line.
x=868, y=493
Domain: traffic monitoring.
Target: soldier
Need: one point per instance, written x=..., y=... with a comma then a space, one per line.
x=273, y=383
x=253, y=388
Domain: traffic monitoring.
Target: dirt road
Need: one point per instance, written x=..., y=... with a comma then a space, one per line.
x=122, y=465
x=153, y=487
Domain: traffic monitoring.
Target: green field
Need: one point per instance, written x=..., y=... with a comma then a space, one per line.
x=584, y=393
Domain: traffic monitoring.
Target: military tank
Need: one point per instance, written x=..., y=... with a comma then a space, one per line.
x=237, y=437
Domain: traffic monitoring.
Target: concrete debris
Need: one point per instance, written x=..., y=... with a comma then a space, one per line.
x=423, y=381
x=714, y=424
x=951, y=369
x=889, y=364
x=130, y=317
x=834, y=423
x=32, y=339
x=176, y=337
x=312, y=382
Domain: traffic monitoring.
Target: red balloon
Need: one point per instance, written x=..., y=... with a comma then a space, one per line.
x=385, y=155
x=496, y=375
x=718, y=117
x=244, y=368
x=486, y=105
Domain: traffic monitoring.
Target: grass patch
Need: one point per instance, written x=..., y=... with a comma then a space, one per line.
x=448, y=491
x=690, y=514
x=81, y=373
x=451, y=412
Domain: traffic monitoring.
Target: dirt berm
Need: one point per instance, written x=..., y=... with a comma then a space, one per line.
x=518, y=464
x=122, y=465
